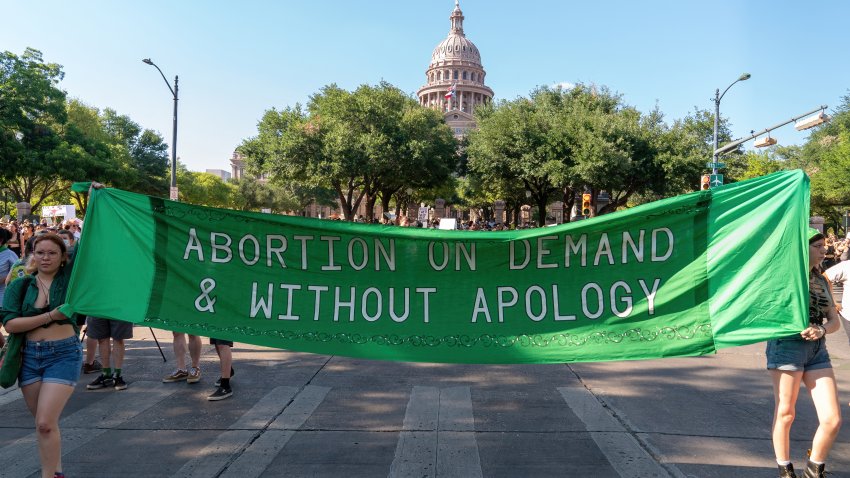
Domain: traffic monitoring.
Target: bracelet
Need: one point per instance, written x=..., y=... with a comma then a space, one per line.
x=822, y=330
x=49, y=318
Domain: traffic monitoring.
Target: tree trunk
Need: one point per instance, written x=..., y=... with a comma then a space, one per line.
x=569, y=200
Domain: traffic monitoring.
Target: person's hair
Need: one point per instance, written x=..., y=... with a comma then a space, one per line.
x=65, y=232
x=29, y=246
x=5, y=235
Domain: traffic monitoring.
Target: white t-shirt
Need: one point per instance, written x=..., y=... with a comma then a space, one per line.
x=840, y=273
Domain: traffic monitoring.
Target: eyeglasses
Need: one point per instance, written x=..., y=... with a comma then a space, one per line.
x=43, y=254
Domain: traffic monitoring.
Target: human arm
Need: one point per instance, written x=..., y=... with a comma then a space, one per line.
x=14, y=302
x=25, y=324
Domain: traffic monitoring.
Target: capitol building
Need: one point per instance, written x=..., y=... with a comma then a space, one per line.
x=454, y=83
x=455, y=78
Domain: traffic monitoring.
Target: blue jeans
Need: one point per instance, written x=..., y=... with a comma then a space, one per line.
x=797, y=355
x=52, y=361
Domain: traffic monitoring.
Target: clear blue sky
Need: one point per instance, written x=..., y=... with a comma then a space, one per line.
x=237, y=59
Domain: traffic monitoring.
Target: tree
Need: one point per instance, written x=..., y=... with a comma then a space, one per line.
x=204, y=189
x=363, y=145
x=32, y=112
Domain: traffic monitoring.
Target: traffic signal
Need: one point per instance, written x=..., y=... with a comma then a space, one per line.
x=705, y=182
x=585, y=204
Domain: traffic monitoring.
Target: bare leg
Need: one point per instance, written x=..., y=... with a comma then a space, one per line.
x=51, y=400
x=821, y=384
x=105, y=352
x=117, y=353
x=195, y=350
x=91, y=350
x=180, y=350
x=786, y=387
x=225, y=355
x=30, y=393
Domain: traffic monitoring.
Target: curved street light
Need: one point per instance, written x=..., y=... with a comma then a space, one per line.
x=717, y=97
x=173, y=191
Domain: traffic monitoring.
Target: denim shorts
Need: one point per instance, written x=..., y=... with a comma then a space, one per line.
x=796, y=355
x=52, y=361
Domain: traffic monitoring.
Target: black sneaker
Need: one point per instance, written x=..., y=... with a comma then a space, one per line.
x=119, y=382
x=220, y=394
x=232, y=373
x=101, y=381
x=92, y=367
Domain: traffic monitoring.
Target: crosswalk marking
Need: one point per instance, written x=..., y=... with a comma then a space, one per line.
x=622, y=450
x=214, y=457
x=20, y=459
x=254, y=460
x=437, y=437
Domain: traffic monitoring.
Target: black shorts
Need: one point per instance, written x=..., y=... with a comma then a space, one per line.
x=220, y=342
x=100, y=329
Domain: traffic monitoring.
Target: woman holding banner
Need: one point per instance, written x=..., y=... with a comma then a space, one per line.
x=804, y=358
x=52, y=353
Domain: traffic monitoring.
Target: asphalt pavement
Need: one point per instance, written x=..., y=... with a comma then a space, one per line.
x=304, y=415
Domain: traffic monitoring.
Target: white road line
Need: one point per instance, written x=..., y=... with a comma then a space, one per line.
x=214, y=457
x=437, y=438
x=261, y=452
x=20, y=459
x=622, y=450
x=416, y=451
x=457, y=448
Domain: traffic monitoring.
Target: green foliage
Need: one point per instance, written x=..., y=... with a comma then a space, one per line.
x=204, y=189
x=253, y=194
x=557, y=143
x=361, y=144
x=47, y=142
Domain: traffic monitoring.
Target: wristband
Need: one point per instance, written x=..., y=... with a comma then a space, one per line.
x=49, y=318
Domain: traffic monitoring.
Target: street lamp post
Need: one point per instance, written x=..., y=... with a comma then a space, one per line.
x=717, y=97
x=173, y=191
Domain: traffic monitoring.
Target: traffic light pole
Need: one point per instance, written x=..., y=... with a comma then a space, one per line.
x=734, y=144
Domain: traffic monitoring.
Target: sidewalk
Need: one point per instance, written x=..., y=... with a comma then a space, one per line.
x=295, y=414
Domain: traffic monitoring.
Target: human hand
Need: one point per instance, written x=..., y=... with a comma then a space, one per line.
x=56, y=315
x=813, y=332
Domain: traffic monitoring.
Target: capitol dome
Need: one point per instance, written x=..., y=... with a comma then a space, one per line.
x=455, y=78
x=456, y=47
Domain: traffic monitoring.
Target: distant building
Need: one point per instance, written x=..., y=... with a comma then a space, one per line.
x=224, y=175
x=455, y=78
x=237, y=166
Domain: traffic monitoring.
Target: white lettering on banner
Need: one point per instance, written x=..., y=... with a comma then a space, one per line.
x=194, y=245
x=371, y=303
x=593, y=299
x=216, y=247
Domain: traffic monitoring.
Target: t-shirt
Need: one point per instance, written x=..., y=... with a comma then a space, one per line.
x=840, y=274
x=7, y=260
x=820, y=297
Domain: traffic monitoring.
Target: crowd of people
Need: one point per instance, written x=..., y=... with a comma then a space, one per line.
x=35, y=267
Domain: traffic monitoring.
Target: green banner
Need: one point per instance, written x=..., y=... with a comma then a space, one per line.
x=678, y=277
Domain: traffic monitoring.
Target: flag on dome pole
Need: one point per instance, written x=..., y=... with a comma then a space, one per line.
x=451, y=91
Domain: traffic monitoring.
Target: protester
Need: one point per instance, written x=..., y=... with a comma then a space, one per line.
x=7, y=259
x=52, y=354
x=225, y=355
x=192, y=375
x=803, y=358
x=17, y=240
x=840, y=274
x=102, y=330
